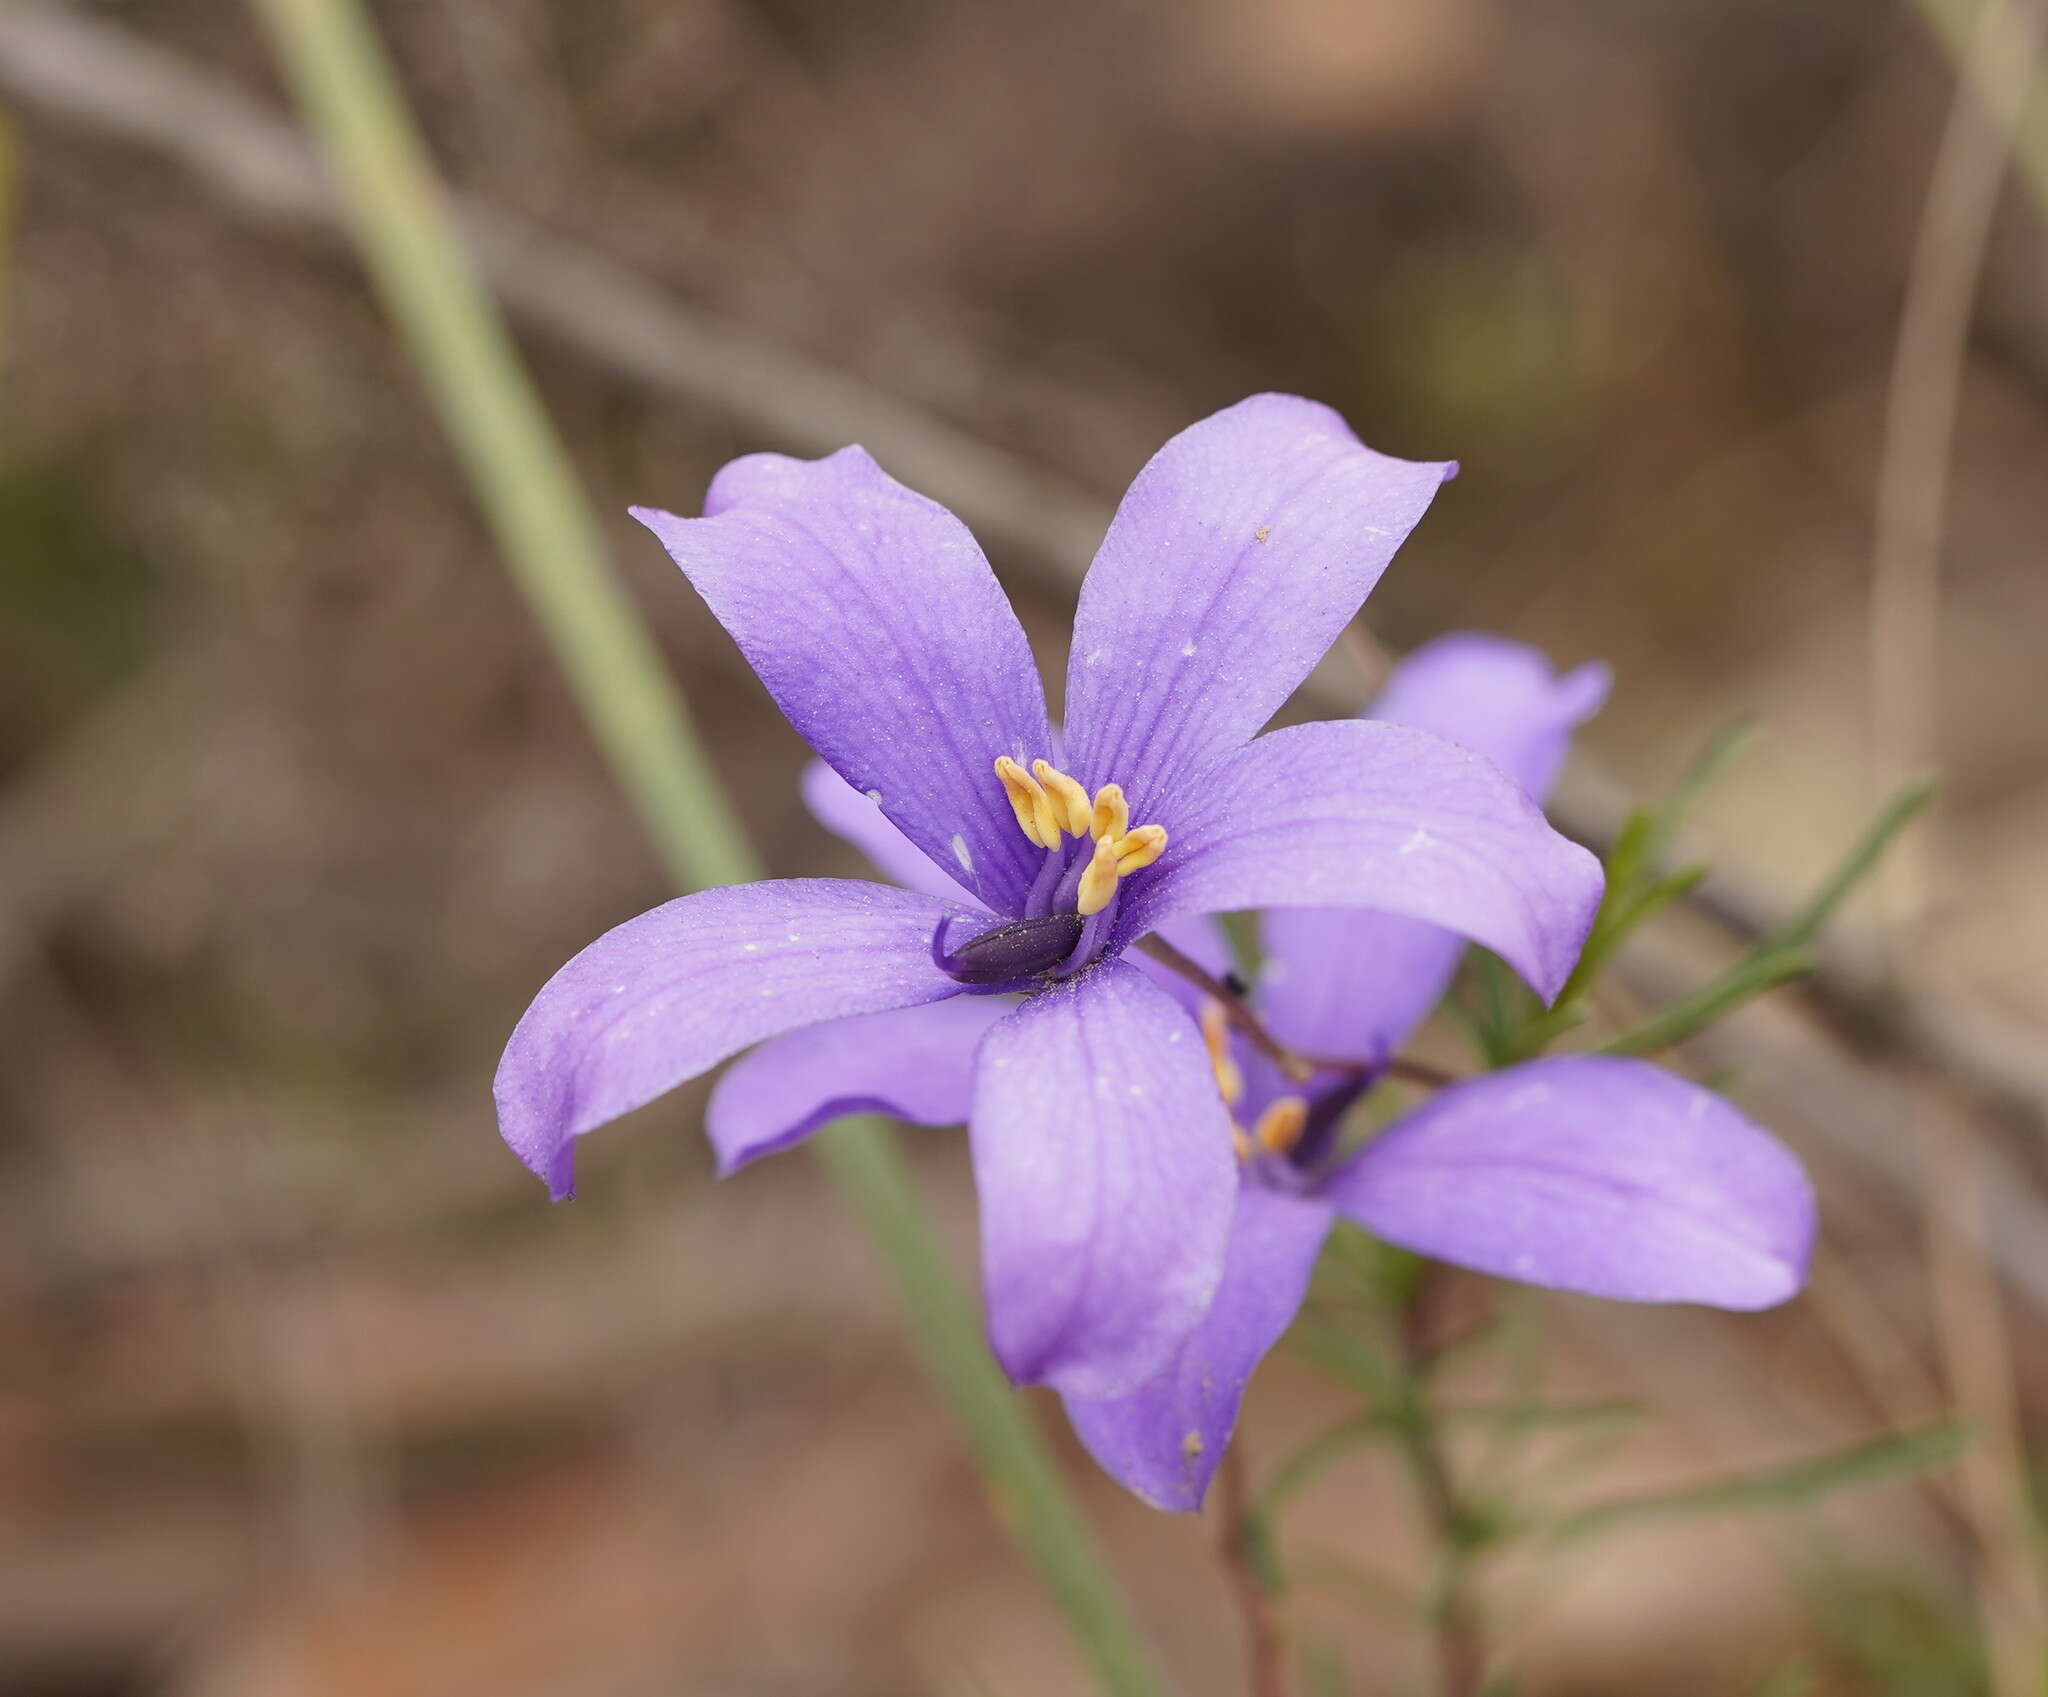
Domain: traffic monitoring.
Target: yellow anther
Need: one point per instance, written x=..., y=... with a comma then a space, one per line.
x=1112, y=815
x=1281, y=1125
x=1098, y=883
x=1051, y=806
x=1215, y=1021
x=1029, y=802
x=1241, y=1143
x=1070, y=800
x=1139, y=848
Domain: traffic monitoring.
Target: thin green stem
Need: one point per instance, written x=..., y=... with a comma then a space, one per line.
x=516, y=464
x=1457, y=1631
x=867, y=1165
x=529, y=493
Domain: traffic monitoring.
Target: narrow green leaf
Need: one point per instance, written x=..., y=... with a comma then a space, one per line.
x=1262, y=1551
x=1314, y=1458
x=1857, y=865
x=1541, y=1416
x=1742, y=982
x=1379, y=1594
x=1628, y=862
x=1473, y=1343
x=1658, y=896
x=1340, y=1352
x=1867, y=1463
x=1635, y=893
x=1545, y=1029
x=1721, y=751
x=1505, y=1007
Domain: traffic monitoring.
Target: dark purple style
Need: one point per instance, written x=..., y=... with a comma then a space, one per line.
x=1103, y=1151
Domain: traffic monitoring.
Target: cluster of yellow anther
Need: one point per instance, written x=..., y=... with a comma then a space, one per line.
x=1279, y=1128
x=1051, y=806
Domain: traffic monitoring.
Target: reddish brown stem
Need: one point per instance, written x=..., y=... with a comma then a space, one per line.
x=1240, y=1011
x=1264, y=1647
x=1294, y=1062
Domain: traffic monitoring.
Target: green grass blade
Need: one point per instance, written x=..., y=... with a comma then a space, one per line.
x=524, y=483
x=1723, y=748
x=1857, y=864
x=1744, y=981
x=516, y=464
x=1796, y=1482
x=868, y=1167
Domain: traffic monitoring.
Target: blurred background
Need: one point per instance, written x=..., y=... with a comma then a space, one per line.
x=303, y=1386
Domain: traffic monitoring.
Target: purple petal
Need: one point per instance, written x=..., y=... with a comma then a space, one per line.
x=848, y=814
x=1349, y=983
x=916, y=1063
x=1165, y=1439
x=1379, y=816
x=1346, y=981
x=669, y=995
x=1103, y=1156
x=1594, y=1174
x=1498, y=698
x=876, y=624
x=1237, y=556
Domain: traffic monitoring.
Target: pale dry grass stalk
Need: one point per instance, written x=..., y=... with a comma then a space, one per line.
x=1997, y=75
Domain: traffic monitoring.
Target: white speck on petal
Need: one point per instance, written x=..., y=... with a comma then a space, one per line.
x=874, y=796
x=1415, y=844
x=1186, y=649
x=962, y=853
x=1093, y=655
x=1525, y=1264
x=751, y=948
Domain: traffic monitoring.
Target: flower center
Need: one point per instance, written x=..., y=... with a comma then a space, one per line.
x=1050, y=807
x=1278, y=1129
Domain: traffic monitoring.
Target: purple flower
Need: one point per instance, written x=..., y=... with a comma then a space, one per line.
x=1103, y=1152
x=1583, y=1173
